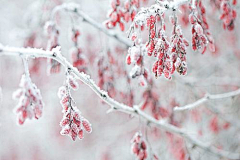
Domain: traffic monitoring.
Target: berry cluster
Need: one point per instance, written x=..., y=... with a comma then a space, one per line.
x=135, y=56
x=72, y=122
x=139, y=147
x=214, y=126
x=177, y=147
x=53, y=35
x=171, y=55
x=78, y=59
x=178, y=49
x=30, y=102
x=151, y=101
x=119, y=14
x=228, y=14
x=183, y=17
x=106, y=78
x=201, y=37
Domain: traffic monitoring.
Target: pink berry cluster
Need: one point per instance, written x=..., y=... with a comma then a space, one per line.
x=178, y=49
x=153, y=34
x=201, y=37
x=53, y=34
x=228, y=14
x=120, y=15
x=29, y=98
x=164, y=65
x=171, y=56
x=135, y=57
x=72, y=123
x=151, y=101
x=106, y=78
x=177, y=147
x=139, y=147
x=183, y=17
x=78, y=59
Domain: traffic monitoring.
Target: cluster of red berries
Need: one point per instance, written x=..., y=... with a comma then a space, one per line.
x=30, y=100
x=72, y=123
x=183, y=17
x=139, y=147
x=159, y=47
x=106, y=78
x=78, y=59
x=177, y=147
x=178, y=49
x=201, y=37
x=53, y=35
x=171, y=56
x=151, y=100
x=135, y=57
x=228, y=14
x=119, y=15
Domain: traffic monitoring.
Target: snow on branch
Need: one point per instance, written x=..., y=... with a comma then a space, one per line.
x=56, y=55
x=75, y=8
x=206, y=98
x=173, y=4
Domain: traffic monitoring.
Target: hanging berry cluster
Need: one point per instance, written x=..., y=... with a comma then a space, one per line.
x=78, y=59
x=105, y=75
x=151, y=101
x=120, y=15
x=53, y=34
x=201, y=37
x=72, y=123
x=177, y=147
x=159, y=47
x=170, y=56
x=139, y=147
x=178, y=49
x=183, y=17
x=228, y=14
x=29, y=98
x=135, y=56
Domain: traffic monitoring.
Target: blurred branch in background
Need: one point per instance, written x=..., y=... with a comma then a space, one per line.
x=206, y=98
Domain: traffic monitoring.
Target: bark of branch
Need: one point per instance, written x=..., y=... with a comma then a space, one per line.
x=56, y=55
x=206, y=98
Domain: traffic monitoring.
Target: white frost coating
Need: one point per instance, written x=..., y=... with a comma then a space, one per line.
x=119, y=106
x=136, y=71
x=134, y=53
x=142, y=16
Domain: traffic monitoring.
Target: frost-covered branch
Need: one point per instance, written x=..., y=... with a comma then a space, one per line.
x=206, y=98
x=74, y=8
x=56, y=55
x=173, y=4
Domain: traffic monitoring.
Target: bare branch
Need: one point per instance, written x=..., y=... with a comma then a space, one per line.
x=56, y=55
x=206, y=98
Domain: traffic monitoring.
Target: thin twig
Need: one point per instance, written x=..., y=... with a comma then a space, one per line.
x=206, y=98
